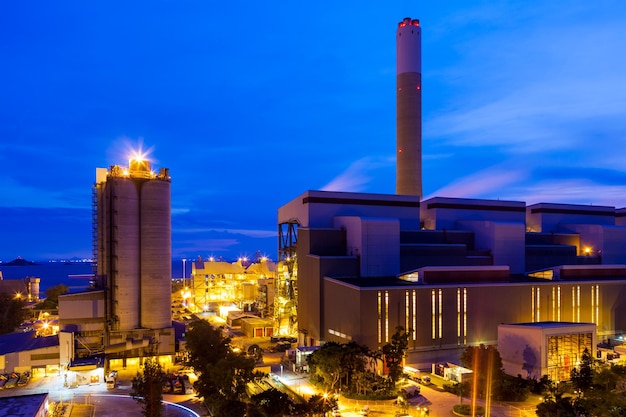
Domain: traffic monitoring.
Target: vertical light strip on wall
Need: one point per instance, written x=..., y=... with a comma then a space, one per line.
x=593, y=304
x=386, y=316
x=407, y=310
x=465, y=316
x=573, y=304
x=578, y=304
x=380, y=319
x=458, y=316
x=553, y=304
x=433, y=313
x=440, y=313
x=538, y=304
x=597, y=304
x=414, y=316
x=532, y=304
x=558, y=303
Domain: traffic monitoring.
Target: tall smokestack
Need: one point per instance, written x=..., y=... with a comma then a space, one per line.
x=409, y=108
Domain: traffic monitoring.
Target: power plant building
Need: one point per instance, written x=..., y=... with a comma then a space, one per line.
x=451, y=270
x=129, y=313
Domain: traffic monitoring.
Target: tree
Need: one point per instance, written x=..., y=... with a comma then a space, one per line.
x=556, y=405
x=272, y=403
x=52, y=297
x=12, y=313
x=582, y=377
x=222, y=373
x=325, y=364
x=147, y=389
x=395, y=351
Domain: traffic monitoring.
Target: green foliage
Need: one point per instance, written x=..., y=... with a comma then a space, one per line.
x=604, y=397
x=556, y=405
x=395, y=351
x=582, y=376
x=222, y=373
x=486, y=363
x=272, y=403
x=52, y=297
x=12, y=313
x=326, y=364
x=541, y=386
x=147, y=389
x=466, y=409
x=350, y=368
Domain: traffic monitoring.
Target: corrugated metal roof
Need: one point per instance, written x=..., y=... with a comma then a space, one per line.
x=23, y=341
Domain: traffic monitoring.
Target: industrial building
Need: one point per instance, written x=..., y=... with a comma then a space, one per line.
x=128, y=315
x=26, y=289
x=546, y=348
x=33, y=405
x=219, y=286
x=449, y=269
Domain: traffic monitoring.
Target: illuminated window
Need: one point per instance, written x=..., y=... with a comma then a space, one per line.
x=386, y=316
x=440, y=314
x=380, y=318
x=433, y=313
x=458, y=315
x=597, y=304
x=532, y=303
x=558, y=298
x=414, y=317
x=406, y=310
x=465, y=316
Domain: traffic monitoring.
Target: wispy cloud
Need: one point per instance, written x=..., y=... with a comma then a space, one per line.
x=539, y=87
x=358, y=175
x=483, y=183
x=246, y=232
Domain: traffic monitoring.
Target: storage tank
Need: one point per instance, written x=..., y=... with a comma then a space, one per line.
x=156, y=255
x=133, y=229
x=124, y=248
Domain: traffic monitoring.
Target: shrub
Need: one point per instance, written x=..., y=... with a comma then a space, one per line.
x=466, y=410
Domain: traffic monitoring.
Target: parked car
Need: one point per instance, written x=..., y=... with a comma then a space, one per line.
x=12, y=382
x=283, y=346
x=24, y=379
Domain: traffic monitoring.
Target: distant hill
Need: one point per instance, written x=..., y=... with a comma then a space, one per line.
x=18, y=262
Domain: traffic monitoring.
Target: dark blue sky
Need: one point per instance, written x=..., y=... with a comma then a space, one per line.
x=253, y=103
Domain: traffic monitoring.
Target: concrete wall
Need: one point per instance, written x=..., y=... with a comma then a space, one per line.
x=440, y=213
x=505, y=240
x=376, y=241
x=318, y=208
x=547, y=217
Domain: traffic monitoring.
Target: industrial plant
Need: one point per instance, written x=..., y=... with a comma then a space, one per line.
x=128, y=313
x=352, y=267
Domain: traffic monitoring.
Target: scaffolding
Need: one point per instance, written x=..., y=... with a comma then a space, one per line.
x=286, y=299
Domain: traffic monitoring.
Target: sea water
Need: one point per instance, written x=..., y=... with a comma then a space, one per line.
x=75, y=275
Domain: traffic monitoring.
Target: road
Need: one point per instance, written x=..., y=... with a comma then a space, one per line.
x=96, y=400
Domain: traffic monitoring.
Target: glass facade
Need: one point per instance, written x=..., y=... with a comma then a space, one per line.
x=565, y=352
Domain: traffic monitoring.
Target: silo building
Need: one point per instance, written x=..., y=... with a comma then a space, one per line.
x=128, y=315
